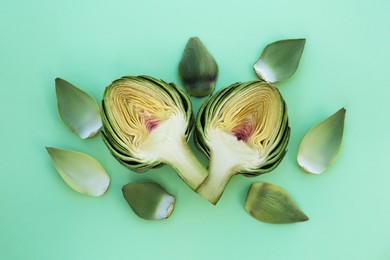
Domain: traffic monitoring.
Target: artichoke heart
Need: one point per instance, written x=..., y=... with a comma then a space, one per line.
x=242, y=129
x=146, y=123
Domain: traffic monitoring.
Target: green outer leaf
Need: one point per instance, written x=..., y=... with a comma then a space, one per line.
x=198, y=69
x=279, y=60
x=81, y=172
x=270, y=203
x=115, y=144
x=78, y=110
x=321, y=145
x=149, y=200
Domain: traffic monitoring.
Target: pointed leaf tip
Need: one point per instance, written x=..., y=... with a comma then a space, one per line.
x=81, y=172
x=320, y=147
x=279, y=60
x=149, y=200
x=77, y=109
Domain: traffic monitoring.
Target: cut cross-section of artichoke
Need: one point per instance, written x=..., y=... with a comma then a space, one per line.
x=147, y=122
x=242, y=129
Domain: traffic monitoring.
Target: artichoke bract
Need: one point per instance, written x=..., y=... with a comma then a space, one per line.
x=198, y=69
x=149, y=200
x=270, y=203
x=146, y=123
x=242, y=129
x=279, y=60
x=77, y=109
x=81, y=172
x=320, y=147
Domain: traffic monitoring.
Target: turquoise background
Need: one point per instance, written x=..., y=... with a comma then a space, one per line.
x=90, y=43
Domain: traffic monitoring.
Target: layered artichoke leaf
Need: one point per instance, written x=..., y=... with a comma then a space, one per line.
x=147, y=122
x=242, y=129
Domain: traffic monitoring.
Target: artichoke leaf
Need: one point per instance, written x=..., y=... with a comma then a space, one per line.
x=81, y=172
x=270, y=203
x=279, y=60
x=77, y=109
x=320, y=147
x=149, y=200
x=198, y=69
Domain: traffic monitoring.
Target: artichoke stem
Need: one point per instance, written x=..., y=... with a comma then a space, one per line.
x=219, y=176
x=186, y=165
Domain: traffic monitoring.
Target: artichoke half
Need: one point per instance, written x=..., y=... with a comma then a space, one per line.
x=242, y=129
x=146, y=123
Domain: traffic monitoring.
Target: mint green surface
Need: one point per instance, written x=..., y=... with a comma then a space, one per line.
x=90, y=43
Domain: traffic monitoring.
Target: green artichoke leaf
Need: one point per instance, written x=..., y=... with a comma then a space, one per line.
x=146, y=123
x=279, y=60
x=81, y=172
x=77, y=109
x=149, y=200
x=243, y=129
x=198, y=69
x=270, y=203
x=320, y=147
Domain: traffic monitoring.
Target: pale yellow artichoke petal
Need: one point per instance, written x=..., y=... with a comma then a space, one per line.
x=81, y=172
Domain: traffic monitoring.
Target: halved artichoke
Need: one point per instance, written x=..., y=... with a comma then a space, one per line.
x=147, y=122
x=242, y=129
